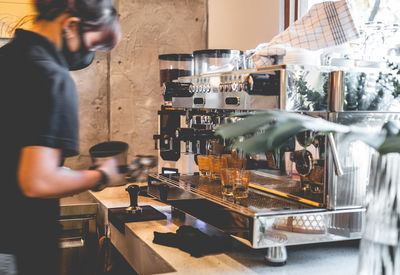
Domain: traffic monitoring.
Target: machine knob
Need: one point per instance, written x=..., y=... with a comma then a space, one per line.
x=221, y=87
x=244, y=87
x=234, y=87
x=241, y=87
x=229, y=87
x=133, y=191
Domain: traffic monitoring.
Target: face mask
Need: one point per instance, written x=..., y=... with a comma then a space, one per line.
x=80, y=59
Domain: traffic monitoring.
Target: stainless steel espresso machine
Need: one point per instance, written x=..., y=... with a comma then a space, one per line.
x=311, y=190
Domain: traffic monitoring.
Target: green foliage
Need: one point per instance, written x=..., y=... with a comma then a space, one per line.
x=386, y=85
x=390, y=80
x=266, y=131
x=355, y=90
x=310, y=99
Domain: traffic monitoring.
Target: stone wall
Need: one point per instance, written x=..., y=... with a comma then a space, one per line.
x=120, y=93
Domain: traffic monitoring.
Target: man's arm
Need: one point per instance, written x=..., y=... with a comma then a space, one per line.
x=40, y=176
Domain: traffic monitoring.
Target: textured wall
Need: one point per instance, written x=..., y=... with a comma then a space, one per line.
x=120, y=93
x=93, y=88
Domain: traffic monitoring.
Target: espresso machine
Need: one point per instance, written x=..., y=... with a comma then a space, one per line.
x=311, y=190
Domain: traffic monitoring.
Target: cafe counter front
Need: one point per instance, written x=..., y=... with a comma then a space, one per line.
x=134, y=240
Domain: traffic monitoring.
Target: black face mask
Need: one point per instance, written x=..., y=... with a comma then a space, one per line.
x=80, y=59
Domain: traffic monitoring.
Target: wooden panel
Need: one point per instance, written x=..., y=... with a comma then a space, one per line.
x=291, y=12
x=287, y=14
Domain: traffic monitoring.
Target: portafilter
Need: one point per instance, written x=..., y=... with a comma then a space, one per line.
x=134, y=171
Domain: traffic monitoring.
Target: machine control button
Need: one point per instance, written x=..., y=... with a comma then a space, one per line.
x=232, y=101
x=199, y=101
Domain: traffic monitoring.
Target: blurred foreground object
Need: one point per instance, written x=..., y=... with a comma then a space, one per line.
x=380, y=245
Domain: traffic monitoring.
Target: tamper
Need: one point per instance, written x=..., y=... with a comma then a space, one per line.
x=133, y=191
x=133, y=213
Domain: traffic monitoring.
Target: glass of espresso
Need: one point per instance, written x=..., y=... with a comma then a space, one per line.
x=204, y=165
x=228, y=176
x=241, y=184
x=173, y=66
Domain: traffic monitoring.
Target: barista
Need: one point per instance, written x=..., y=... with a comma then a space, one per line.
x=39, y=120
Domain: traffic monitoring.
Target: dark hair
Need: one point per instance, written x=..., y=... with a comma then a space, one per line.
x=95, y=15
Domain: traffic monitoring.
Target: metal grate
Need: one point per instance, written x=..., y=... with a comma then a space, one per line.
x=257, y=203
x=311, y=224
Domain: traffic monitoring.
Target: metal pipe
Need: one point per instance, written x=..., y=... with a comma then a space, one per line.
x=338, y=167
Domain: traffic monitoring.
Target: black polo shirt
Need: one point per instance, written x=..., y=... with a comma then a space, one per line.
x=38, y=106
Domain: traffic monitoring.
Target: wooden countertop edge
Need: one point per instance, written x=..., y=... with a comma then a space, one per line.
x=137, y=242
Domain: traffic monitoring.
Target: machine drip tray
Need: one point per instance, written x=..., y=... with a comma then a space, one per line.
x=118, y=216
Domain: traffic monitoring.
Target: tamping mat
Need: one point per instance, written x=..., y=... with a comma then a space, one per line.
x=118, y=216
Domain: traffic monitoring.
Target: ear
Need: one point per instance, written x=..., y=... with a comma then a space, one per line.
x=70, y=26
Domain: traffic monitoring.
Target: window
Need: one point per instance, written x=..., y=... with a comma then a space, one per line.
x=385, y=11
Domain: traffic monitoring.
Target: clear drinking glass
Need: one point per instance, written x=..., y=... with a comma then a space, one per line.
x=241, y=184
x=228, y=176
x=239, y=163
x=226, y=160
x=204, y=165
x=234, y=160
x=215, y=166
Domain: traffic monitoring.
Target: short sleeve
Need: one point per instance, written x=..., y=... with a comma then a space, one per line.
x=52, y=111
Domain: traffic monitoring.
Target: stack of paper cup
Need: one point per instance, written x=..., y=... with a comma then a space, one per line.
x=302, y=57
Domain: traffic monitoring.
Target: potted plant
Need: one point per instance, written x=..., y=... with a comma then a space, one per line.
x=266, y=131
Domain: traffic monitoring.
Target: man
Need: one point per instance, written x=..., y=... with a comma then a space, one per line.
x=39, y=120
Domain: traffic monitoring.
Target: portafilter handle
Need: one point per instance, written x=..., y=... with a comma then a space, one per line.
x=133, y=191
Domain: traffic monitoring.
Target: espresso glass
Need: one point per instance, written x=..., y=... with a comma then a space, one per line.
x=241, y=184
x=215, y=166
x=228, y=176
x=204, y=165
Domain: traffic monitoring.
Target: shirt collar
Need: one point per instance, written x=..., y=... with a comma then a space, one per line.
x=31, y=38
